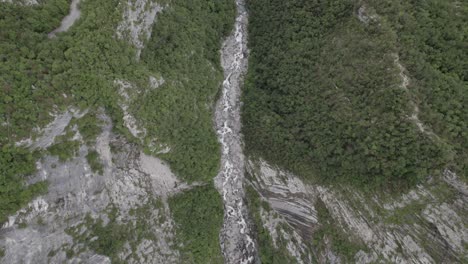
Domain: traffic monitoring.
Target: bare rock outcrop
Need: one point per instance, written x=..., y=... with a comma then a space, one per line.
x=40, y=232
x=425, y=225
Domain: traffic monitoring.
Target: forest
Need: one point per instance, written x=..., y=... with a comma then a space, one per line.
x=199, y=216
x=324, y=96
x=185, y=49
x=41, y=75
x=21, y=108
x=432, y=44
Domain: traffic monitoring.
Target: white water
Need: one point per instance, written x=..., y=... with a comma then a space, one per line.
x=236, y=241
x=69, y=20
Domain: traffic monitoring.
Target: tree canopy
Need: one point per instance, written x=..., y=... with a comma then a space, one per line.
x=324, y=96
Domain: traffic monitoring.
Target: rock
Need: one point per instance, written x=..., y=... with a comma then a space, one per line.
x=237, y=243
x=137, y=22
x=436, y=232
x=129, y=181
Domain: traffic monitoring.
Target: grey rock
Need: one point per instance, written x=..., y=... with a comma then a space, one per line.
x=237, y=242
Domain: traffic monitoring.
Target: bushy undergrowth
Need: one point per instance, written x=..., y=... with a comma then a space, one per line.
x=198, y=215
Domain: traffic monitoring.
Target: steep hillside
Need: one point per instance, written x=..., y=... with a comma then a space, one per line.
x=355, y=127
x=233, y=131
x=91, y=93
x=344, y=91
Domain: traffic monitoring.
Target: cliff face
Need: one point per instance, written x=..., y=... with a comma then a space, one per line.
x=424, y=225
x=130, y=194
x=109, y=202
x=125, y=200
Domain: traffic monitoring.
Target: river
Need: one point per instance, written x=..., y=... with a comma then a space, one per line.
x=236, y=238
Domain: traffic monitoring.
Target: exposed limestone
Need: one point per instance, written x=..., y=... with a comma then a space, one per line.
x=434, y=233
x=138, y=19
x=418, y=194
x=155, y=82
x=328, y=256
x=449, y=224
x=129, y=181
x=129, y=93
x=47, y=135
x=286, y=194
x=365, y=15
x=129, y=120
x=69, y=20
x=295, y=245
x=405, y=81
x=452, y=179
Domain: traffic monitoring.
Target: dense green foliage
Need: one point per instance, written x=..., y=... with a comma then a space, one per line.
x=432, y=42
x=89, y=127
x=269, y=254
x=185, y=49
x=64, y=147
x=324, y=97
x=111, y=237
x=20, y=30
x=94, y=162
x=198, y=215
x=40, y=75
x=15, y=163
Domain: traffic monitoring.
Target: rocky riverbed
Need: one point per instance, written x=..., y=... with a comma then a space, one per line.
x=236, y=237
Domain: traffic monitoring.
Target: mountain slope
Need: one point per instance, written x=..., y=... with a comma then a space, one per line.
x=122, y=127
x=355, y=130
x=84, y=108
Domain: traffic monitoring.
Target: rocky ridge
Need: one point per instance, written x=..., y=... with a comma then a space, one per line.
x=425, y=225
x=130, y=180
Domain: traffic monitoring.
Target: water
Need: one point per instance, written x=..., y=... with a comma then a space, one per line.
x=236, y=241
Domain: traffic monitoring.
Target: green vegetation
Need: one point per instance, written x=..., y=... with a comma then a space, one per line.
x=89, y=127
x=112, y=237
x=16, y=163
x=64, y=147
x=406, y=214
x=267, y=251
x=20, y=110
x=95, y=162
x=341, y=243
x=324, y=98
x=185, y=49
x=411, y=210
x=432, y=42
x=39, y=75
x=198, y=215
